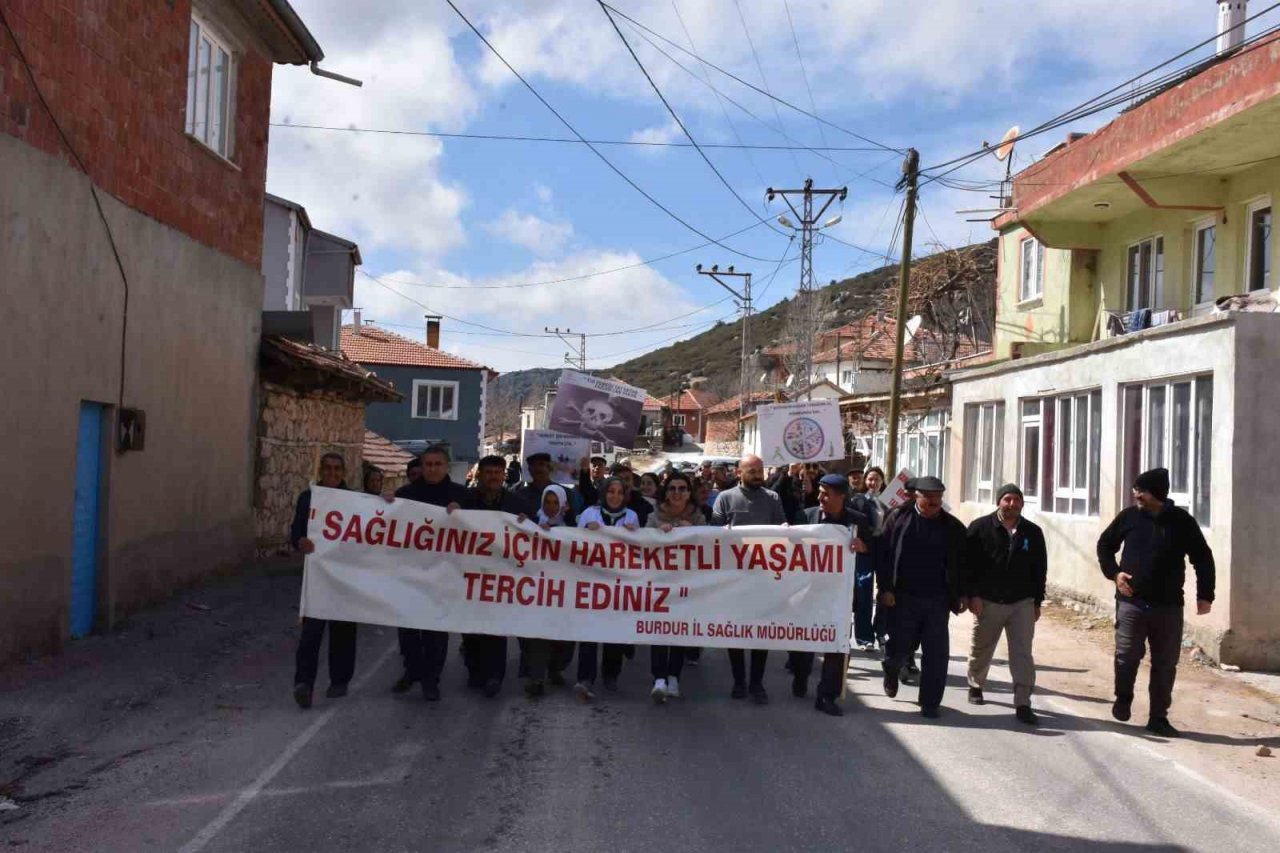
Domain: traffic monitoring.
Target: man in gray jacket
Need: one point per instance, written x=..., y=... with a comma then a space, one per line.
x=748, y=503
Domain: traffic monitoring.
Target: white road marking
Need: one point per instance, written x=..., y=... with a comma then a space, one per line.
x=250, y=793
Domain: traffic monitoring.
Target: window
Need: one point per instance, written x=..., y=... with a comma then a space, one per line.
x=922, y=443
x=210, y=86
x=846, y=379
x=1169, y=424
x=1259, y=257
x=1145, y=274
x=1205, y=261
x=1077, y=465
x=678, y=420
x=435, y=400
x=1031, y=449
x=983, y=451
x=1032, y=280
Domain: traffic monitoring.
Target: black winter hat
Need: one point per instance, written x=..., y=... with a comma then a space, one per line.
x=1155, y=481
x=1008, y=489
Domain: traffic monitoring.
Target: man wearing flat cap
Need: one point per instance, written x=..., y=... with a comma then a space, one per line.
x=1005, y=572
x=920, y=572
x=833, y=508
x=1157, y=539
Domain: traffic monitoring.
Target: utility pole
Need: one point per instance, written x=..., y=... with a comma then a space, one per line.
x=910, y=178
x=744, y=305
x=580, y=351
x=808, y=219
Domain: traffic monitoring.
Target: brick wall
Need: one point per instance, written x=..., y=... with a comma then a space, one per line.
x=722, y=426
x=115, y=74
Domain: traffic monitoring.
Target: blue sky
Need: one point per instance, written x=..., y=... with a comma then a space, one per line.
x=942, y=76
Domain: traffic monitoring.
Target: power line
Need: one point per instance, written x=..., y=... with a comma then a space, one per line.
x=668, y=211
x=752, y=86
x=760, y=67
x=500, y=137
x=804, y=74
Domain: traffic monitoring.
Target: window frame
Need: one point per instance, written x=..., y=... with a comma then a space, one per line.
x=1253, y=207
x=1037, y=270
x=1193, y=462
x=1157, y=270
x=987, y=423
x=1197, y=296
x=678, y=419
x=429, y=384
x=218, y=39
x=1031, y=491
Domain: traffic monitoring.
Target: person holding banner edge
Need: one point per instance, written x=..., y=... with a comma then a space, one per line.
x=342, y=635
x=749, y=503
x=675, y=509
x=425, y=651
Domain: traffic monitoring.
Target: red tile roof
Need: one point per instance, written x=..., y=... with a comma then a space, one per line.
x=303, y=365
x=378, y=346
x=692, y=399
x=383, y=454
x=731, y=405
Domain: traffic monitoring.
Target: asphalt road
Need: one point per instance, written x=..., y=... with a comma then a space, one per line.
x=183, y=736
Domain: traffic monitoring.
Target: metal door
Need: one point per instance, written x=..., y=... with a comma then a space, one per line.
x=84, y=543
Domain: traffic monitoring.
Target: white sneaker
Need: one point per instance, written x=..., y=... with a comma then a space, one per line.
x=673, y=687
x=582, y=692
x=659, y=691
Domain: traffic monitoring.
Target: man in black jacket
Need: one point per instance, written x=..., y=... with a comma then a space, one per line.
x=486, y=654
x=342, y=635
x=919, y=572
x=425, y=651
x=833, y=508
x=1157, y=538
x=1005, y=573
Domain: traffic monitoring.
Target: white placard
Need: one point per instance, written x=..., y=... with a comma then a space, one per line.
x=895, y=491
x=597, y=409
x=808, y=431
x=566, y=452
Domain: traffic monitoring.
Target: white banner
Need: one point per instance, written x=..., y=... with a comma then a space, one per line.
x=807, y=431
x=409, y=564
x=566, y=452
x=597, y=409
x=895, y=491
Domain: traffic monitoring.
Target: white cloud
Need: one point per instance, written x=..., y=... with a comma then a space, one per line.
x=531, y=232
x=543, y=193
x=662, y=133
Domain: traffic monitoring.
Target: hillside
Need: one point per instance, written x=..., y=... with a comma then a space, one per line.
x=716, y=352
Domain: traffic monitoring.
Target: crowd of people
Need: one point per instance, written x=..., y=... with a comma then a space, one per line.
x=916, y=565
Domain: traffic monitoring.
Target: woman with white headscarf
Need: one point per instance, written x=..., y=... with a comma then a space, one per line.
x=545, y=660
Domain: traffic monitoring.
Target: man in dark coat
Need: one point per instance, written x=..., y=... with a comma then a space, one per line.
x=1157, y=538
x=833, y=508
x=342, y=635
x=486, y=654
x=919, y=572
x=1005, y=576
x=425, y=651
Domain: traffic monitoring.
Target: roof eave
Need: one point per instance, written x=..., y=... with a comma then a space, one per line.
x=298, y=32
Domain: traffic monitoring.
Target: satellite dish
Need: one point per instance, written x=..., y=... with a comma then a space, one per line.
x=1005, y=148
x=913, y=326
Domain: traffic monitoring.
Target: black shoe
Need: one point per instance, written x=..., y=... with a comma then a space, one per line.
x=492, y=687
x=908, y=674
x=302, y=695
x=336, y=691
x=890, y=682
x=929, y=712
x=431, y=692
x=976, y=697
x=556, y=679
x=758, y=694
x=739, y=690
x=1121, y=709
x=611, y=685
x=535, y=687
x=799, y=686
x=828, y=707
x=403, y=683
x=1026, y=715
x=1159, y=726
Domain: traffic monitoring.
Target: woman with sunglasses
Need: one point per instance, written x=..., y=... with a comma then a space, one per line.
x=676, y=508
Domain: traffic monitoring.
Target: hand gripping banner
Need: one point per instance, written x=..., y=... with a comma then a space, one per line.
x=417, y=566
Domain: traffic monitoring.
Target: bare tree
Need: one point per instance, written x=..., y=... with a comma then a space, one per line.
x=808, y=316
x=502, y=411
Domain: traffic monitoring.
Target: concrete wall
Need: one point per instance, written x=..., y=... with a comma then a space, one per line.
x=1044, y=320
x=174, y=511
x=395, y=420
x=1243, y=354
x=278, y=268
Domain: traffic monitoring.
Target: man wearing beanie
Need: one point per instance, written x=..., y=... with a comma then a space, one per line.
x=1005, y=576
x=1157, y=538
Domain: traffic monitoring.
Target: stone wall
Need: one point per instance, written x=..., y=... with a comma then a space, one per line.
x=294, y=430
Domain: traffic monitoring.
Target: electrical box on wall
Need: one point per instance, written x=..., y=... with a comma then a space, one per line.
x=131, y=430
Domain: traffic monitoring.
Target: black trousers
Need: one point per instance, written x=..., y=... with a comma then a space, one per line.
x=424, y=653
x=485, y=657
x=342, y=651
x=544, y=656
x=920, y=622
x=1160, y=627
x=833, y=671
x=666, y=661
x=737, y=663
x=588, y=660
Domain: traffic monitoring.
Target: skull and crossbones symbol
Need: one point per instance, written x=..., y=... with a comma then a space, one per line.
x=593, y=417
